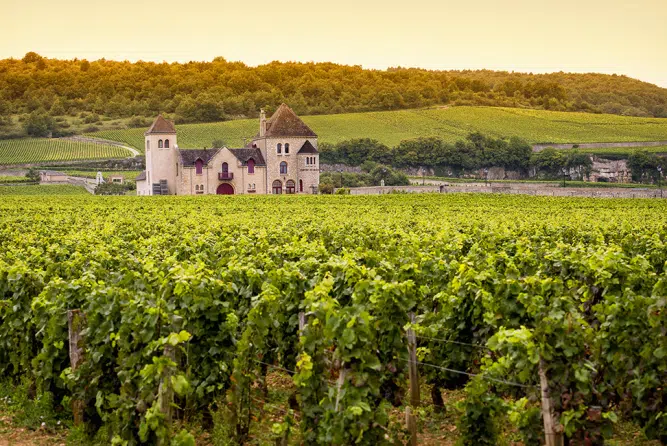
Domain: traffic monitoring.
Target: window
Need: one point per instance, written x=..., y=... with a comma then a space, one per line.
x=176, y=169
x=166, y=143
x=159, y=144
x=279, y=148
x=251, y=165
x=199, y=189
x=199, y=164
x=307, y=160
x=290, y=187
x=148, y=145
x=283, y=168
x=300, y=185
x=277, y=187
x=286, y=148
x=225, y=168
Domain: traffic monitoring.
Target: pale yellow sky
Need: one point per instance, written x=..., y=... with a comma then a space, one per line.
x=608, y=36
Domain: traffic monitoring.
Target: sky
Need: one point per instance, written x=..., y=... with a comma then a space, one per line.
x=606, y=36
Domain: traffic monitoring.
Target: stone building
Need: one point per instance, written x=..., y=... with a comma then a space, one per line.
x=281, y=158
x=52, y=176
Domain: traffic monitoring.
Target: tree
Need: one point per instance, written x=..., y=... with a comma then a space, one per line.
x=644, y=166
x=579, y=162
x=40, y=124
x=33, y=175
x=32, y=57
x=549, y=161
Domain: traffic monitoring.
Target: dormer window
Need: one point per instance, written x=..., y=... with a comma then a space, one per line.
x=199, y=166
x=279, y=148
x=159, y=144
x=166, y=143
x=286, y=148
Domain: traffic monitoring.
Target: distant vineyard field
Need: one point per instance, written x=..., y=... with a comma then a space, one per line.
x=127, y=174
x=23, y=151
x=451, y=124
x=47, y=189
x=13, y=179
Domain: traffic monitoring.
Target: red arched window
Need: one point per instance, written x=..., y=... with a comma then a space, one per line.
x=225, y=168
x=166, y=143
x=300, y=185
x=199, y=165
x=283, y=168
x=251, y=165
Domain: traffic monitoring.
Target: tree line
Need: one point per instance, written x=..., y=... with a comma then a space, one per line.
x=476, y=152
x=219, y=90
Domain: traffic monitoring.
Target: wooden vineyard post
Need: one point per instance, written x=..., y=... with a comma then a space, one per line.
x=75, y=325
x=302, y=321
x=166, y=393
x=410, y=418
x=552, y=432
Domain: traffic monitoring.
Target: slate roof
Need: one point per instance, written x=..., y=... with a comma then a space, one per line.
x=161, y=125
x=285, y=122
x=141, y=176
x=189, y=156
x=307, y=147
x=246, y=153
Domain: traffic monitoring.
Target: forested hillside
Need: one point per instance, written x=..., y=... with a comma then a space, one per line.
x=219, y=90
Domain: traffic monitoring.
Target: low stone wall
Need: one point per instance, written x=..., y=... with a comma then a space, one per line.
x=515, y=188
x=600, y=145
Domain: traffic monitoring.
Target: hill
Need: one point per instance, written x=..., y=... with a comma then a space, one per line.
x=76, y=93
x=450, y=124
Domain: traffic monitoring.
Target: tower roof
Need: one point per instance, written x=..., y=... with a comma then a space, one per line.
x=285, y=122
x=161, y=125
x=307, y=147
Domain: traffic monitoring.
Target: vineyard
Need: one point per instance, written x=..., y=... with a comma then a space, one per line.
x=451, y=124
x=141, y=317
x=40, y=190
x=106, y=174
x=25, y=151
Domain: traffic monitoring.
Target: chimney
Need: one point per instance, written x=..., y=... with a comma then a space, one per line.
x=262, y=123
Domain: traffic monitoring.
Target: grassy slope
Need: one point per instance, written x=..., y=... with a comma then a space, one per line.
x=449, y=123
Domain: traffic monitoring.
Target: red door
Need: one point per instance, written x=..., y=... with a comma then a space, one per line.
x=225, y=189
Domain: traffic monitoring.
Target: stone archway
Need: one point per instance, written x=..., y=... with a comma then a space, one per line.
x=225, y=189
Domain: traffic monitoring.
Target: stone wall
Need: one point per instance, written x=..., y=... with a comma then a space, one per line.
x=600, y=145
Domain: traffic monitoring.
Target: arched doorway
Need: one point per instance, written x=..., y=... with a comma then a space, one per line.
x=277, y=187
x=225, y=189
x=290, y=186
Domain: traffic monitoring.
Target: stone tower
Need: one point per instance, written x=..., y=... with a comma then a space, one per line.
x=161, y=155
x=289, y=147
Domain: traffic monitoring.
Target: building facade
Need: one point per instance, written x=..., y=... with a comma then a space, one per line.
x=281, y=159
